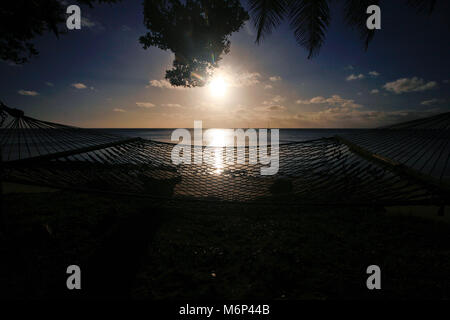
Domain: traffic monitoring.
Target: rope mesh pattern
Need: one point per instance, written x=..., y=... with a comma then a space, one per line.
x=396, y=165
x=422, y=145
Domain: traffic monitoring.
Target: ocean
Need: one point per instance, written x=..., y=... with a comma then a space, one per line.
x=218, y=137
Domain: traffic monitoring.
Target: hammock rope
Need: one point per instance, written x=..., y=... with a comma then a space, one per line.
x=407, y=163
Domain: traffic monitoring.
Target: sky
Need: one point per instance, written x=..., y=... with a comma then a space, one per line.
x=101, y=77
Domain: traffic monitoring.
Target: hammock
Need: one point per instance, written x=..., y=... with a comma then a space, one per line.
x=404, y=164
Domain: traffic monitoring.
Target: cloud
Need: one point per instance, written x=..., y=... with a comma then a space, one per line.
x=349, y=67
x=275, y=108
x=257, y=112
x=244, y=79
x=275, y=78
x=336, y=111
x=125, y=28
x=268, y=86
x=431, y=102
x=355, y=77
x=374, y=73
x=86, y=22
x=237, y=78
x=359, y=118
x=446, y=81
x=145, y=104
x=79, y=85
x=119, y=110
x=414, y=84
x=28, y=93
x=317, y=99
x=50, y=84
x=172, y=105
x=273, y=101
x=374, y=91
x=164, y=84
x=271, y=105
x=333, y=101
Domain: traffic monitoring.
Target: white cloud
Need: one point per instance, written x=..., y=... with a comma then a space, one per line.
x=317, y=99
x=273, y=101
x=334, y=101
x=271, y=105
x=244, y=79
x=164, y=84
x=28, y=93
x=79, y=85
x=349, y=67
x=335, y=117
x=374, y=91
x=275, y=78
x=414, y=84
x=256, y=112
x=374, y=73
x=355, y=77
x=119, y=110
x=431, y=102
x=145, y=104
x=268, y=86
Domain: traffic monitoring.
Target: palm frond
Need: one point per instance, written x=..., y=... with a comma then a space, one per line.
x=266, y=15
x=309, y=19
x=356, y=17
x=423, y=5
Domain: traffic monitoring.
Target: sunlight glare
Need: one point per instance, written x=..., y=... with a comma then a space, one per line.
x=217, y=138
x=217, y=87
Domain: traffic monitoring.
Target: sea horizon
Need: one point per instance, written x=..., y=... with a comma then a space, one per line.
x=223, y=135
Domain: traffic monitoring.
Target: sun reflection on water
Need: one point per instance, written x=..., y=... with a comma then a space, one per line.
x=218, y=138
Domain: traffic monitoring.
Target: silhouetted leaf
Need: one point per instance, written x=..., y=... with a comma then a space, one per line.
x=22, y=20
x=267, y=15
x=310, y=20
x=355, y=12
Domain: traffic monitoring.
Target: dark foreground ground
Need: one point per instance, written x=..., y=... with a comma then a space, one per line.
x=129, y=248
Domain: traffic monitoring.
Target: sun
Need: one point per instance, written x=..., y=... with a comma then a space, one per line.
x=217, y=87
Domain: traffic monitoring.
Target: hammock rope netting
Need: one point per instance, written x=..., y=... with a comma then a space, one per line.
x=404, y=164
